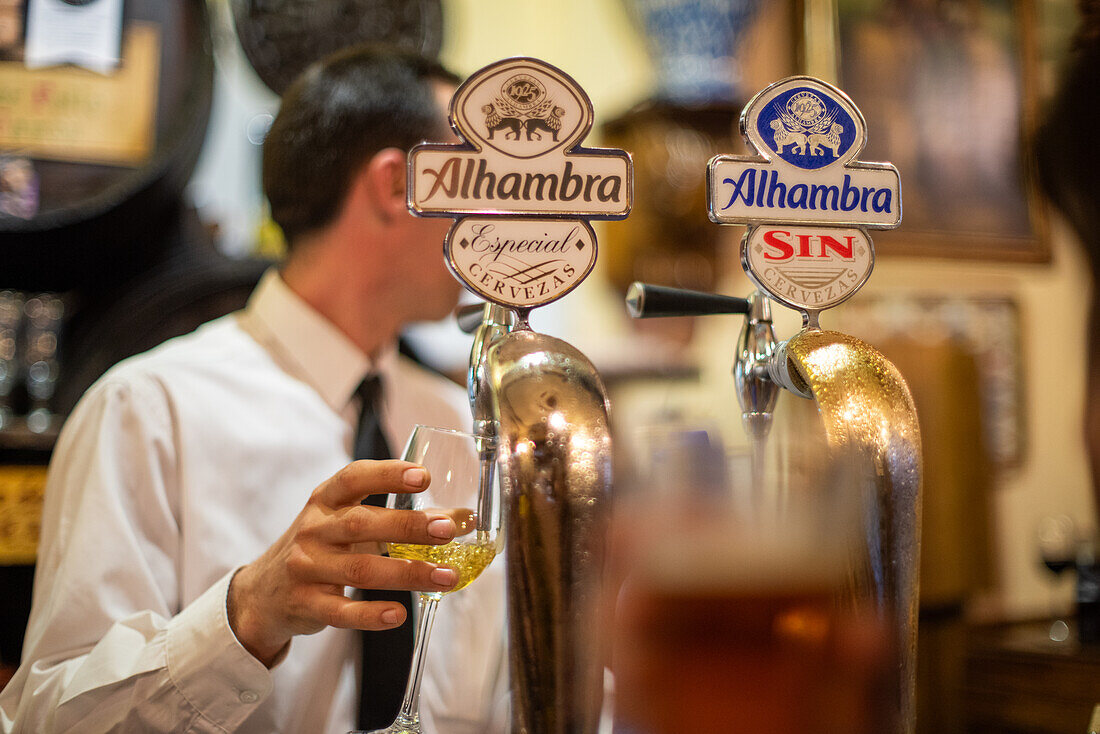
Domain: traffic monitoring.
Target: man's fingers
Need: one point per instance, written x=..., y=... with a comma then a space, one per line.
x=362, y=524
x=363, y=478
x=339, y=611
x=365, y=571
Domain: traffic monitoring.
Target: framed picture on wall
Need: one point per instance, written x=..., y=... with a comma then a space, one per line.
x=986, y=328
x=949, y=89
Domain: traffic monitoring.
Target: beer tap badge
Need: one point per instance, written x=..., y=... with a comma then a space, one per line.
x=805, y=197
x=521, y=187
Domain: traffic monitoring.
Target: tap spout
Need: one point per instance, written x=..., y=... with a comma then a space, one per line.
x=868, y=411
x=552, y=415
x=756, y=391
x=495, y=321
x=488, y=323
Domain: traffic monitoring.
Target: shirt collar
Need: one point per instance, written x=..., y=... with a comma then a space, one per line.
x=308, y=344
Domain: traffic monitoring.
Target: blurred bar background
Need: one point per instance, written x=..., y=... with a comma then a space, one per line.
x=981, y=297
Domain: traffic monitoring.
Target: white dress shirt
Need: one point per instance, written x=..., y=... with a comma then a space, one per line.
x=179, y=466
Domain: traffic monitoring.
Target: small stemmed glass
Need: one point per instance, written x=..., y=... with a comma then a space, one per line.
x=462, y=486
x=1056, y=537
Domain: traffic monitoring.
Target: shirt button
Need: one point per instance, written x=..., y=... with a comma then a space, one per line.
x=249, y=697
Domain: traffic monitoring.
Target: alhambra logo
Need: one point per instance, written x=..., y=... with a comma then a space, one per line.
x=804, y=195
x=806, y=129
x=523, y=109
x=522, y=112
x=521, y=186
x=806, y=134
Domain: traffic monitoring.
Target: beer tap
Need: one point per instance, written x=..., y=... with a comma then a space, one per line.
x=543, y=411
x=522, y=239
x=807, y=203
x=755, y=362
x=758, y=369
x=488, y=323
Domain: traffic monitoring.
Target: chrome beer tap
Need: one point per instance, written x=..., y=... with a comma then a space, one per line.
x=755, y=365
x=521, y=240
x=488, y=323
x=807, y=207
x=542, y=405
x=756, y=392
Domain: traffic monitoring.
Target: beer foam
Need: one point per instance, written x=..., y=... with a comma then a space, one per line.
x=717, y=556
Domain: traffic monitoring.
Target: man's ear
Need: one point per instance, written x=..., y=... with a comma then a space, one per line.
x=384, y=178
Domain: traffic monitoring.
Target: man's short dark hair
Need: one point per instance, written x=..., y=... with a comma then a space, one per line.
x=334, y=117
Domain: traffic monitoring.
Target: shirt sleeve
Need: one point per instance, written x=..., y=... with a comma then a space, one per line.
x=107, y=646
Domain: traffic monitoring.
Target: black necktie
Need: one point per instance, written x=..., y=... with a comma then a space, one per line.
x=387, y=654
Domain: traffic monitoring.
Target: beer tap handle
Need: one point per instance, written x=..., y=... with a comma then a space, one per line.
x=645, y=301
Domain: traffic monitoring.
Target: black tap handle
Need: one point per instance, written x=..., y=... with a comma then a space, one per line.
x=645, y=301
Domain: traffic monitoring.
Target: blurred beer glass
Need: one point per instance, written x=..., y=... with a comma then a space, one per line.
x=731, y=605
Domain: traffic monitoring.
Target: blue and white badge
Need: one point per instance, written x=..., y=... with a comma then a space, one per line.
x=807, y=134
x=805, y=196
x=807, y=129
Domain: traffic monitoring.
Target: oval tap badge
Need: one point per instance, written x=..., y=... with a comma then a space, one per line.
x=808, y=268
x=522, y=110
x=521, y=187
x=808, y=129
x=522, y=263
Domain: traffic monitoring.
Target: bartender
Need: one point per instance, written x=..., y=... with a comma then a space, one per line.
x=203, y=520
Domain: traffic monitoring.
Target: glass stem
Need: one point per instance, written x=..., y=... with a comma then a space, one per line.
x=410, y=705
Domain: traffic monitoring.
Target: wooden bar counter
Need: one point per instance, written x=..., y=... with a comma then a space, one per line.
x=1020, y=681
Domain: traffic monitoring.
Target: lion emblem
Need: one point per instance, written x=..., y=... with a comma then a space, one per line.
x=523, y=107
x=806, y=124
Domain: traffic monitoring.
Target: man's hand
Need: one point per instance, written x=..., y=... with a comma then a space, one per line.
x=297, y=586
